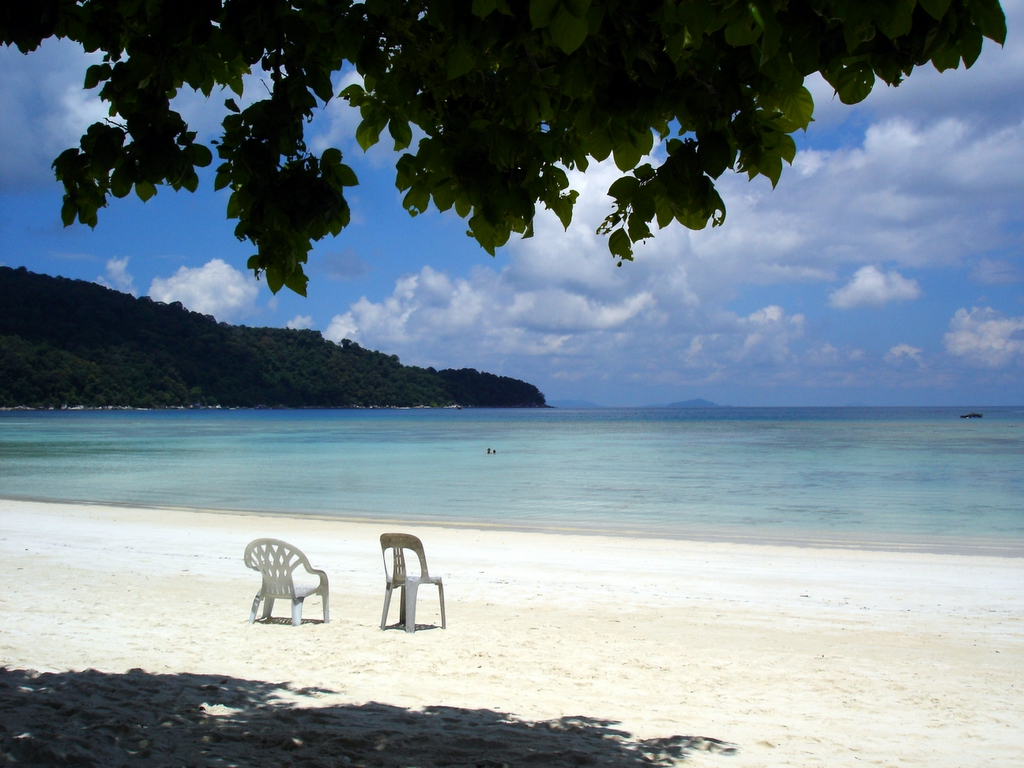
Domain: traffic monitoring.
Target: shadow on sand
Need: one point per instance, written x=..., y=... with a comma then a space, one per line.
x=95, y=719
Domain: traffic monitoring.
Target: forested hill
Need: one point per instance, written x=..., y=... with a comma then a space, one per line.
x=70, y=342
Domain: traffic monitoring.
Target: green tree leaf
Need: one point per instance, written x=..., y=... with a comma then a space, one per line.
x=459, y=62
x=715, y=153
x=401, y=133
x=970, y=46
x=854, y=83
x=484, y=8
x=935, y=8
x=120, y=183
x=624, y=188
x=743, y=31
x=626, y=156
x=145, y=190
x=95, y=74
x=567, y=30
x=620, y=245
x=368, y=134
x=201, y=156
x=577, y=8
x=798, y=107
x=541, y=12
x=417, y=200
x=989, y=16
x=347, y=176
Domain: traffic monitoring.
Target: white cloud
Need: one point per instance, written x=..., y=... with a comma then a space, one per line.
x=300, y=322
x=916, y=195
x=342, y=327
x=649, y=327
x=216, y=289
x=432, y=305
x=561, y=311
x=985, y=337
x=871, y=287
x=117, y=276
x=335, y=125
x=901, y=352
x=43, y=109
x=770, y=331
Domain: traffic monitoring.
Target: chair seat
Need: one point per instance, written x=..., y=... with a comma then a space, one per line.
x=421, y=580
x=418, y=579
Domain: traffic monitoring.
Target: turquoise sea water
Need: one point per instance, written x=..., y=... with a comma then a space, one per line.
x=914, y=477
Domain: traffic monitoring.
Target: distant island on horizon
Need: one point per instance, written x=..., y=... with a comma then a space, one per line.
x=74, y=343
x=695, y=403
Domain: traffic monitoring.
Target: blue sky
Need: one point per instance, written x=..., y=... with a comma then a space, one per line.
x=887, y=268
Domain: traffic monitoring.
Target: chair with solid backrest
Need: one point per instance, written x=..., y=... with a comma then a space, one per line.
x=399, y=577
x=277, y=561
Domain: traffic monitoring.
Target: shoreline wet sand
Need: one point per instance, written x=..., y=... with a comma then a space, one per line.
x=825, y=539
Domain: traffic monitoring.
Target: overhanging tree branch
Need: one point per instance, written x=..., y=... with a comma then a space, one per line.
x=509, y=94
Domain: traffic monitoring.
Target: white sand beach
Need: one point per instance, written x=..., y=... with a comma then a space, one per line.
x=125, y=637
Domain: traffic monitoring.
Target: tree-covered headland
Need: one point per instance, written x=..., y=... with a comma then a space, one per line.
x=70, y=342
x=505, y=96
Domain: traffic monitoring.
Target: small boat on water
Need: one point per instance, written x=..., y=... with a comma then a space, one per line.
x=970, y=415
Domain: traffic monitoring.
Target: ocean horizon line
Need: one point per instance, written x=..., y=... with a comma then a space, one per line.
x=550, y=406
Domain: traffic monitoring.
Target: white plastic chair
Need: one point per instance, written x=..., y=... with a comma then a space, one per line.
x=277, y=561
x=399, y=578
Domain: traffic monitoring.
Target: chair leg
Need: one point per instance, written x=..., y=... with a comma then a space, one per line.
x=387, y=604
x=255, y=607
x=440, y=593
x=268, y=606
x=410, y=606
x=401, y=608
x=296, y=611
x=327, y=610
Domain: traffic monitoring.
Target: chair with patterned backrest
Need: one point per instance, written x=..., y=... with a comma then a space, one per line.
x=277, y=561
x=399, y=577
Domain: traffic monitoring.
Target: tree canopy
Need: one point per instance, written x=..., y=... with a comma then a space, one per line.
x=505, y=94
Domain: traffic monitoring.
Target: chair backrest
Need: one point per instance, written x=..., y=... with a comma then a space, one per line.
x=399, y=542
x=276, y=560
